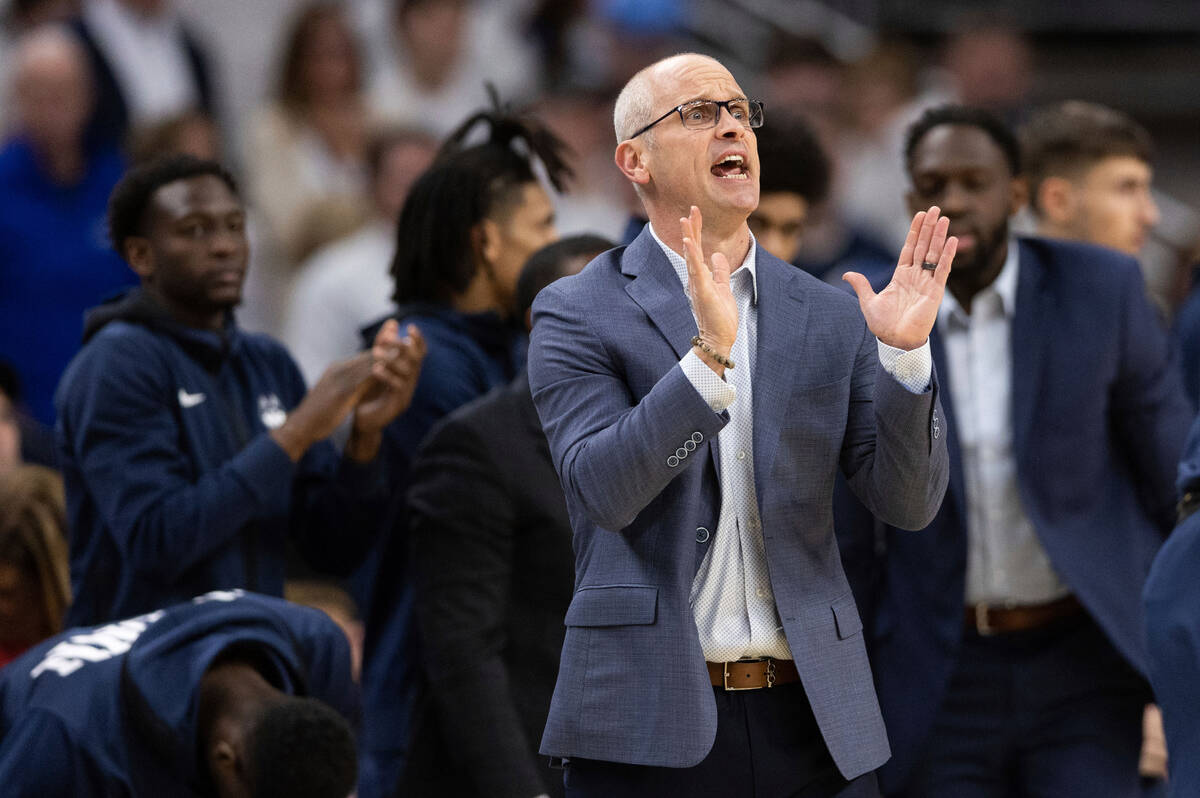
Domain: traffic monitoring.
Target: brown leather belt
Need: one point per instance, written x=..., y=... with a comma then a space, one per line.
x=989, y=620
x=753, y=674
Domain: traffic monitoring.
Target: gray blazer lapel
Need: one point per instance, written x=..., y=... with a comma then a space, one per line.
x=782, y=317
x=657, y=289
x=1029, y=326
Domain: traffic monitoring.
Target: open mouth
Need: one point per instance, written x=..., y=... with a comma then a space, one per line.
x=731, y=167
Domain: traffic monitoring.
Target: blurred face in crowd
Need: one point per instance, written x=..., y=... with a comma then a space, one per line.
x=399, y=168
x=328, y=58
x=52, y=90
x=715, y=169
x=778, y=223
x=1109, y=204
x=962, y=170
x=520, y=227
x=10, y=436
x=431, y=33
x=193, y=255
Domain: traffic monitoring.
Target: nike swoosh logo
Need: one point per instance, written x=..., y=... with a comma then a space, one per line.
x=189, y=399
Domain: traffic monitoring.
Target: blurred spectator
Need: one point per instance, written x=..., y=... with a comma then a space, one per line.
x=466, y=229
x=306, y=157
x=229, y=695
x=54, y=260
x=346, y=284
x=440, y=55
x=1065, y=422
x=493, y=585
x=883, y=95
x=190, y=133
x=990, y=65
x=34, y=590
x=795, y=177
x=599, y=199
x=19, y=17
x=191, y=450
x=146, y=62
x=335, y=602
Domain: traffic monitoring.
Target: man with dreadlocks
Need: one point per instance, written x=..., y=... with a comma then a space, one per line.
x=469, y=224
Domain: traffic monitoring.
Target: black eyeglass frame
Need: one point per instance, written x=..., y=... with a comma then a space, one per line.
x=721, y=104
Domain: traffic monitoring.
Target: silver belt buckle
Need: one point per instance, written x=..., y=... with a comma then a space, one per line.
x=770, y=673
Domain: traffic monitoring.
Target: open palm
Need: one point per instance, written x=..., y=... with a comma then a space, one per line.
x=903, y=313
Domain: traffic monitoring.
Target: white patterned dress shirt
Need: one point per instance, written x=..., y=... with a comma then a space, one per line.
x=732, y=599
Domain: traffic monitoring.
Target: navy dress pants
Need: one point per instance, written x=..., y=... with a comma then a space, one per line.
x=767, y=746
x=1053, y=712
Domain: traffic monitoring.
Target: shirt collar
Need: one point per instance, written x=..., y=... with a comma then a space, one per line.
x=678, y=263
x=1004, y=286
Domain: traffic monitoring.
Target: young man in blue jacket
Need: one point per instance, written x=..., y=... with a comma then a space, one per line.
x=232, y=694
x=190, y=449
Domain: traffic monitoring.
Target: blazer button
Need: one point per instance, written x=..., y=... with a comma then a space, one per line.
x=689, y=445
x=697, y=437
x=672, y=461
x=701, y=535
x=681, y=452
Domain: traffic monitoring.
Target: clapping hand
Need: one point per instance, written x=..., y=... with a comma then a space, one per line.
x=712, y=298
x=395, y=368
x=903, y=313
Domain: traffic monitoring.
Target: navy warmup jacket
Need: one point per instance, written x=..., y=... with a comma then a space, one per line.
x=174, y=486
x=111, y=710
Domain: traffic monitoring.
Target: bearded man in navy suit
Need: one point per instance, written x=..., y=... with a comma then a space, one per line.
x=1008, y=638
x=699, y=397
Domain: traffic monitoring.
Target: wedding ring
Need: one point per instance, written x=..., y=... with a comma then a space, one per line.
x=929, y=266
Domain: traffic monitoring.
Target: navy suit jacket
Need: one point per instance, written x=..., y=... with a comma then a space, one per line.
x=1099, y=418
x=1172, y=600
x=620, y=414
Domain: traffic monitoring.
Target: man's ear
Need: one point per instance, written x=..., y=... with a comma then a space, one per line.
x=1018, y=194
x=1057, y=201
x=485, y=240
x=634, y=162
x=139, y=256
x=223, y=765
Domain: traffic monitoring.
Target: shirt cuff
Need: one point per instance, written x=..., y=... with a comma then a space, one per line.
x=912, y=368
x=712, y=389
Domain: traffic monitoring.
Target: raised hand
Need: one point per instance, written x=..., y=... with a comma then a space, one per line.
x=712, y=298
x=394, y=373
x=903, y=313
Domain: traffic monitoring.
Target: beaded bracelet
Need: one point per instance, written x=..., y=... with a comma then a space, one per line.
x=714, y=354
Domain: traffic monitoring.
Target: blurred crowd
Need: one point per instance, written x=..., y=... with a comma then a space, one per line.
x=436, y=163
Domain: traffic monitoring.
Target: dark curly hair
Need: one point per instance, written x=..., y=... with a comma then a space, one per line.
x=792, y=160
x=435, y=259
x=301, y=748
x=963, y=115
x=132, y=196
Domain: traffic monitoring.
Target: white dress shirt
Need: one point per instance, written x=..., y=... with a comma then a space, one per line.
x=1006, y=563
x=732, y=599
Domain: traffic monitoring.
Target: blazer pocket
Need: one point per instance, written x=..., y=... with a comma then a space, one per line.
x=846, y=618
x=613, y=605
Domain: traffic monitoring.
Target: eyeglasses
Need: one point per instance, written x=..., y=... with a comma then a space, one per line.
x=704, y=114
